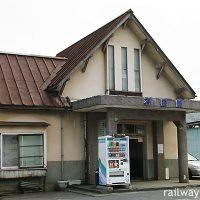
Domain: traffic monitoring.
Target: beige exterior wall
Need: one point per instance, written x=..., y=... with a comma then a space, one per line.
x=95, y=81
x=123, y=37
x=152, y=87
x=90, y=83
x=170, y=140
x=74, y=137
x=73, y=132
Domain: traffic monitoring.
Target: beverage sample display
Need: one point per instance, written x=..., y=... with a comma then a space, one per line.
x=113, y=153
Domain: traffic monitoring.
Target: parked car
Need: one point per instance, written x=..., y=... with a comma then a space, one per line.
x=193, y=166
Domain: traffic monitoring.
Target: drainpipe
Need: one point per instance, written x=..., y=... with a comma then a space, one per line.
x=62, y=145
x=85, y=140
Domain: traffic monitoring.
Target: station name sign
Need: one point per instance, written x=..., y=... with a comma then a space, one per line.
x=148, y=101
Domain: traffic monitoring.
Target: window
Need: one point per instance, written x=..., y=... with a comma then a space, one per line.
x=22, y=151
x=9, y=151
x=130, y=129
x=124, y=69
x=111, y=66
x=137, y=70
x=31, y=152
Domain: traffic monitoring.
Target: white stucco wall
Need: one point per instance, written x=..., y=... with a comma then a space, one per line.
x=124, y=37
x=90, y=83
x=152, y=87
x=95, y=80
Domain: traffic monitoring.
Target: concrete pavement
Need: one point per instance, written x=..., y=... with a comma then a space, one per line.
x=141, y=195
x=140, y=189
x=137, y=186
x=47, y=196
x=164, y=184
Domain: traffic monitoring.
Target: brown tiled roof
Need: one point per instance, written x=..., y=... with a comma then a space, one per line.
x=21, y=77
x=82, y=49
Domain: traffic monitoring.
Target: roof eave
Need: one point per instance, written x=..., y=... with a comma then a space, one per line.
x=49, y=85
x=58, y=86
x=159, y=50
x=46, y=108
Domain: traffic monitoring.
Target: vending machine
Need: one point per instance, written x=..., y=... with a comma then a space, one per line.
x=113, y=158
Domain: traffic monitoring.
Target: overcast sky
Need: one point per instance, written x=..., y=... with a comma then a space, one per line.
x=48, y=26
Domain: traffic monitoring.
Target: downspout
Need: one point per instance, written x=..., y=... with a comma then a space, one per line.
x=61, y=146
x=85, y=140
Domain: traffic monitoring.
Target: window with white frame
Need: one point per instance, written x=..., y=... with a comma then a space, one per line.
x=124, y=69
x=111, y=67
x=22, y=150
x=137, y=70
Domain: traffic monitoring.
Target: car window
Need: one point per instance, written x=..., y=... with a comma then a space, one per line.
x=191, y=158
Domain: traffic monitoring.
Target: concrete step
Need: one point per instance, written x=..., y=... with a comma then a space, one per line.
x=94, y=189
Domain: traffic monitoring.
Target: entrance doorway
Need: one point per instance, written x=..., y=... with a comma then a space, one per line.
x=136, y=158
x=136, y=133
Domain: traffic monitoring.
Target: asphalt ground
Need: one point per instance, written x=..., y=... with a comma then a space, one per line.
x=173, y=194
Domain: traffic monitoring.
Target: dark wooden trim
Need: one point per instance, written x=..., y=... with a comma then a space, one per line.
x=5, y=123
x=116, y=92
x=43, y=108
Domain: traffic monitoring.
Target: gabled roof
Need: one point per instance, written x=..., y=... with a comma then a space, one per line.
x=79, y=52
x=21, y=77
